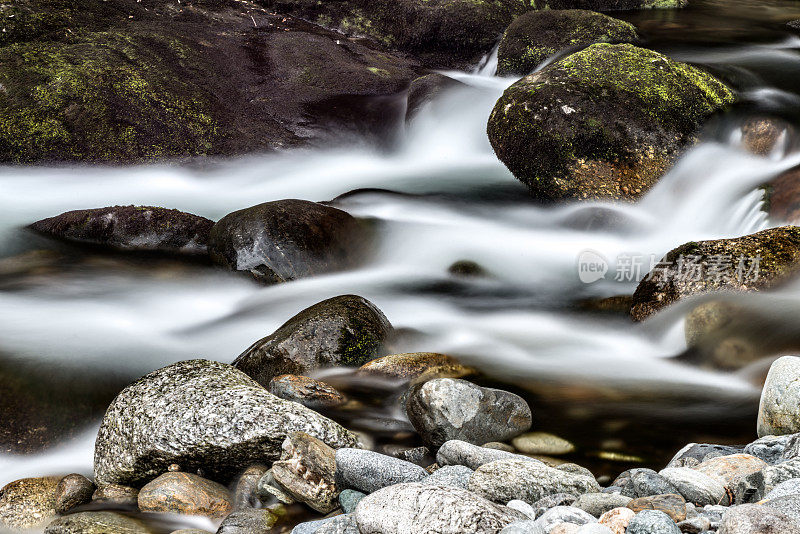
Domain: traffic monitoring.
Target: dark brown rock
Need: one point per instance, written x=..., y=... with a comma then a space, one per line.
x=671, y=504
x=185, y=493
x=426, y=88
x=73, y=490
x=131, y=228
x=245, y=493
x=116, y=495
x=783, y=195
x=342, y=331
x=288, y=239
x=306, y=391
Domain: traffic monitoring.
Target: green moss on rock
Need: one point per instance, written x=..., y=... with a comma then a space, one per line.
x=605, y=122
x=536, y=35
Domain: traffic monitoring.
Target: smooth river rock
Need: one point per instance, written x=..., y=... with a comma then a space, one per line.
x=370, y=471
x=652, y=522
x=98, y=523
x=444, y=409
x=311, y=393
x=779, y=409
x=28, y=502
x=424, y=508
x=185, y=493
x=457, y=452
x=347, y=330
x=756, y=519
x=200, y=414
x=696, y=487
x=73, y=490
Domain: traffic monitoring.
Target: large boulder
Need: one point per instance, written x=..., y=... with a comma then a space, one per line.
x=287, y=239
x=537, y=35
x=749, y=263
x=132, y=228
x=605, y=122
x=199, y=414
x=128, y=81
x=346, y=330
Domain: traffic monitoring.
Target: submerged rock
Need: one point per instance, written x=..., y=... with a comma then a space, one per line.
x=245, y=492
x=342, y=331
x=749, y=263
x=71, y=491
x=199, y=414
x=504, y=480
x=131, y=228
x=537, y=35
x=116, y=495
x=28, y=502
x=97, y=523
x=605, y=122
x=287, y=239
x=779, y=409
x=445, y=409
x=185, y=493
x=423, y=508
x=307, y=391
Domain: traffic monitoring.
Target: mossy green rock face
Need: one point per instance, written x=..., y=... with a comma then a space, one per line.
x=610, y=5
x=347, y=330
x=444, y=33
x=128, y=81
x=537, y=35
x=749, y=263
x=605, y=122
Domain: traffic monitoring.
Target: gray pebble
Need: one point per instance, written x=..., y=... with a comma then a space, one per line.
x=456, y=452
x=769, y=448
x=652, y=522
x=597, y=504
x=349, y=499
x=369, y=471
x=450, y=475
x=788, y=487
x=696, y=487
x=551, y=501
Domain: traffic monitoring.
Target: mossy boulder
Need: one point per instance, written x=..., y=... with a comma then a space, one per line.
x=347, y=330
x=444, y=33
x=124, y=81
x=610, y=5
x=750, y=263
x=605, y=122
x=537, y=35
x=288, y=239
x=131, y=228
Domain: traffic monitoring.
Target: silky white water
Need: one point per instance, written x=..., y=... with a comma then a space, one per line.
x=441, y=196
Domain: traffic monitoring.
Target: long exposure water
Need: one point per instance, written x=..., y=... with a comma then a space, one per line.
x=438, y=195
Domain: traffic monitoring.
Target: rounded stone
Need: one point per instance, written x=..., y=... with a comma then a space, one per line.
x=349, y=499
x=249, y=521
x=346, y=330
x=73, y=490
x=542, y=443
x=245, y=492
x=672, y=505
x=457, y=452
x=98, y=523
x=652, y=522
x=185, y=493
x=309, y=392
x=617, y=519
x=728, y=470
x=411, y=365
x=754, y=518
x=370, y=471
x=450, y=475
x=28, y=502
x=446, y=409
x=116, y=495
x=201, y=415
x=788, y=487
x=696, y=487
x=779, y=409
x=599, y=503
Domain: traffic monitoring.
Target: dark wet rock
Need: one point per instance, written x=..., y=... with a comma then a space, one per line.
x=467, y=269
x=779, y=409
x=370, y=471
x=71, y=491
x=771, y=449
x=200, y=415
x=307, y=391
x=542, y=443
x=755, y=487
x=187, y=494
x=406, y=508
x=444, y=409
x=597, y=504
x=427, y=88
x=782, y=197
x=268, y=489
x=728, y=470
x=697, y=453
x=753, y=518
x=777, y=250
x=249, y=521
x=456, y=452
x=550, y=501
x=342, y=331
x=444, y=33
x=671, y=504
x=349, y=499
x=652, y=522
x=605, y=122
x=98, y=523
x=245, y=492
x=643, y=482
x=288, y=239
x=537, y=35
x=412, y=365
x=307, y=471
x=116, y=495
x=131, y=228
x=139, y=81
x=450, y=475
x=28, y=502
x=503, y=480
x=696, y=487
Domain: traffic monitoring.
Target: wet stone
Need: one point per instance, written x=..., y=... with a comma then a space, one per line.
x=245, y=492
x=116, y=495
x=185, y=493
x=98, y=523
x=597, y=504
x=307, y=471
x=73, y=490
x=307, y=391
x=268, y=489
x=408, y=366
x=249, y=521
x=28, y=502
x=672, y=505
x=369, y=471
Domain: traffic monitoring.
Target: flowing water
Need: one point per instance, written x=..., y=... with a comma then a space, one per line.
x=438, y=195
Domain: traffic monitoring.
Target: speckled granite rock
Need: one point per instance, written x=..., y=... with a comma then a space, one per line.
x=753, y=518
x=406, y=509
x=199, y=414
x=28, y=502
x=370, y=471
x=754, y=487
x=457, y=452
x=73, y=490
x=779, y=409
x=97, y=523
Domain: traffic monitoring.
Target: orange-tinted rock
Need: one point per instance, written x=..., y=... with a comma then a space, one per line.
x=617, y=519
x=28, y=502
x=728, y=470
x=761, y=136
x=185, y=493
x=412, y=365
x=671, y=504
x=784, y=197
x=73, y=490
x=306, y=391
